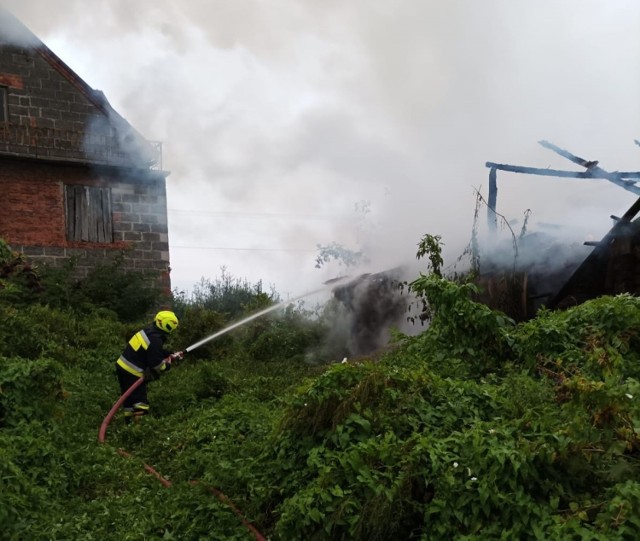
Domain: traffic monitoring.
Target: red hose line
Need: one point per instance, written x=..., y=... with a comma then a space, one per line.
x=148, y=468
x=224, y=499
x=165, y=482
x=105, y=423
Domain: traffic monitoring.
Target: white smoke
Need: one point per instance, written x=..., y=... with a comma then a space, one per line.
x=279, y=118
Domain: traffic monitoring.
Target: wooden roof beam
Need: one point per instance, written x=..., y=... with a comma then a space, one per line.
x=622, y=175
x=592, y=167
x=619, y=178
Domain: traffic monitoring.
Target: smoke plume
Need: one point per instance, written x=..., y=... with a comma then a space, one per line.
x=278, y=119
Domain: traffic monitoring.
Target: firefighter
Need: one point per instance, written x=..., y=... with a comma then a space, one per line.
x=144, y=355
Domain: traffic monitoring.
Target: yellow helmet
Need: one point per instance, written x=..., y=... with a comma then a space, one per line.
x=166, y=321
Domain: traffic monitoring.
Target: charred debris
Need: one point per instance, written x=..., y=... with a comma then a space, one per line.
x=374, y=304
x=551, y=273
x=533, y=270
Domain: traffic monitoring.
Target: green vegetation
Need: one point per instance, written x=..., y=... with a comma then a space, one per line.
x=477, y=428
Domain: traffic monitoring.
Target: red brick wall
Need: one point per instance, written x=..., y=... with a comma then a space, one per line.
x=11, y=80
x=32, y=202
x=32, y=209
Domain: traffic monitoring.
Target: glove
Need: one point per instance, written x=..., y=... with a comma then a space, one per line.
x=177, y=356
x=150, y=374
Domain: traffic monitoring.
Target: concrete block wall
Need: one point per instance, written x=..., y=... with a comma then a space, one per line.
x=140, y=221
x=53, y=114
x=38, y=95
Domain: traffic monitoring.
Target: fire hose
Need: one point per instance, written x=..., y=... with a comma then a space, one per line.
x=222, y=497
x=127, y=393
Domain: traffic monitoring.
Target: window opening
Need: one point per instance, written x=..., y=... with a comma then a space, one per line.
x=88, y=214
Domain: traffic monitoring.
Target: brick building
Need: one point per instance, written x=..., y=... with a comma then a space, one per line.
x=76, y=179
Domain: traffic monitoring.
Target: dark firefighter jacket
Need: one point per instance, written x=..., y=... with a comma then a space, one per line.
x=145, y=350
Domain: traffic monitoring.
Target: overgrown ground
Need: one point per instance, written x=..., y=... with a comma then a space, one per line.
x=475, y=429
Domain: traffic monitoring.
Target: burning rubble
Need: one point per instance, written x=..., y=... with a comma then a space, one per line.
x=551, y=272
x=374, y=305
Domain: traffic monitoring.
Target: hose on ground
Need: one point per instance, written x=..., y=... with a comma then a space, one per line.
x=222, y=497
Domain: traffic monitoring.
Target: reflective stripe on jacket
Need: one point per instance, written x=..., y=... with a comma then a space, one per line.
x=144, y=350
x=129, y=367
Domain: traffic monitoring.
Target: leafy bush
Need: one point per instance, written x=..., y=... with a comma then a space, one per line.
x=227, y=295
x=600, y=337
x=198, y=323
x=129, y=294
x=214, y=306
x=39, y=331
x=420, y=446
x=463, y=329
x=478, y=428
x=29, y=390
x=285, y=336
x=18, y=279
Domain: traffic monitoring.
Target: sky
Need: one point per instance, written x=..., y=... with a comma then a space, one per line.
x=292, y=124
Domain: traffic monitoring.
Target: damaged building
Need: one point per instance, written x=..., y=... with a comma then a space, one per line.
x=609, y=266
x=523, y=274
x=78, y=182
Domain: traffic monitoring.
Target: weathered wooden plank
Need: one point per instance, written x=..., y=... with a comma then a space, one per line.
x=84, y=215
x=69, y=210
x=77, y=222
x=622, y=175
x=592, y=167
x=106, y=220
x=99, y=215
x=491, y=203
x=104, y=234
x=595, y=259
x=95, y=214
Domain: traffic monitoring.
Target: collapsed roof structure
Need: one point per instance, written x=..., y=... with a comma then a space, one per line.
x=537, y=269
x=611, y=268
